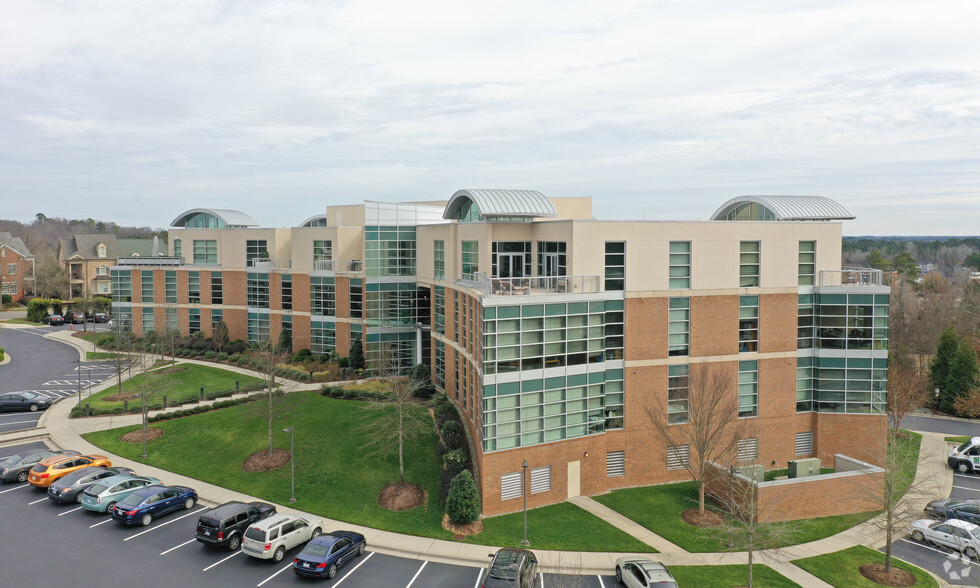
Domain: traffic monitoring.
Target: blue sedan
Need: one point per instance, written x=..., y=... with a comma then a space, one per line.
x=322, y=556
x=145, y=504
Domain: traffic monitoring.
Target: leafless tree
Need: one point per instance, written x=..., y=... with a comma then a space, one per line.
x=266, y=358
x=712, y=428
x=908, y=386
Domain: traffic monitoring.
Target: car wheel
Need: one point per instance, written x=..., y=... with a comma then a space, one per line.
x=33, y=408
x=332, y=571
x=78, y=498
x=146, y=519
x=970, y=553
x=316, y=532
x=619, y=575
x=234, y=542
x=962, y=467
x=278, y=555
x=22, y=477
x=189, y=504
x=360, y=548
x=918, y=536
x=108, y=507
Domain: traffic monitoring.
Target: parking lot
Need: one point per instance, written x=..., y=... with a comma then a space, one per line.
x=64, y=543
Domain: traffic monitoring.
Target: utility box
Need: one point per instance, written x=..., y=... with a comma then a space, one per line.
x=804, y=468
x=755, y=472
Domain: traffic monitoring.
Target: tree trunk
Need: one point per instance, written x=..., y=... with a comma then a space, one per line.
x=270, y=421
x=888, y=546
x=401, y=443
x=750, y=568
x=701, y=496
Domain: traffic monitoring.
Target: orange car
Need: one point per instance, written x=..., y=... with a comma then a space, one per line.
x=50, y=469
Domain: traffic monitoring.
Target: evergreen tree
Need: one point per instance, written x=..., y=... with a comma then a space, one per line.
x=285, y=343
x=945, y=350
x=906, y=266
x=962, y=377
x=463, y=502
x=356, y=358
x=877, y=260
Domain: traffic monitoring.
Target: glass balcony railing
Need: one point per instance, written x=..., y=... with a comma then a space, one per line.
x=537, y=285
x=851, y=276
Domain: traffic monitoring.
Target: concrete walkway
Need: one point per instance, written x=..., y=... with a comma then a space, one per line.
x=933, y=479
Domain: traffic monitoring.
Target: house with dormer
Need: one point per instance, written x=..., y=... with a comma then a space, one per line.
x=16, y=267
x=88, y=257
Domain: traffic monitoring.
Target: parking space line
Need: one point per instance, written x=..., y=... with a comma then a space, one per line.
x=61, y=514
x=966, y=488
x=40, y=500
x=276, y=574
x=961, y=557
x=178, y=547
x=20, y=423
x=541, y=577
x=479, y=575
x=601, y=583
x=352, y=570
x=15, y=488
x=217, y=562
x=416, y=575
x=163, y=524
x=109, y=520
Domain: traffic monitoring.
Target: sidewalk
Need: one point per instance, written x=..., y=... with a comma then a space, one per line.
x=66, y=433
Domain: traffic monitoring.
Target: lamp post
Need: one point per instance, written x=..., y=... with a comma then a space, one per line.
x=525, y=542
x=292, y=466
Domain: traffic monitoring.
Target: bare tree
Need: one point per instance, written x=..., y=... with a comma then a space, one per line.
x=908, y=387
x=266, y=357
x=711, y=429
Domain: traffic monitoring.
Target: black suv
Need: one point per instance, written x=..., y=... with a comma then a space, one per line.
x=511, y=568
x=224, y=525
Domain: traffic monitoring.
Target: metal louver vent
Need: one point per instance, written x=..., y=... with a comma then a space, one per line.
x=615, y=464
x=540, y=480
x=804, y=443
x=748, y=449
x=678, y=456
x=510, y=486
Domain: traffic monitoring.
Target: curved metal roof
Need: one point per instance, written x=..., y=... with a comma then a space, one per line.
x=230, y=218
x=316, y=217
x=502, y=203
x=789, y=208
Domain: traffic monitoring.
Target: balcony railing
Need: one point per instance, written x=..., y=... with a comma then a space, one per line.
x=270, y=265
x=147, y=261
x=851, y=276
x=536, y=285
x=335, y=265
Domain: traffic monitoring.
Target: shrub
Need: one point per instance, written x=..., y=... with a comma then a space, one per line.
x=457, y=459
x=453, y=434
x=445, y=412
x=7, y=299
x=2, y=354
x=301, y=356
x=221, y=356
x=463, y=502
x=210, y=354
x=233, y=358
x=37, y=309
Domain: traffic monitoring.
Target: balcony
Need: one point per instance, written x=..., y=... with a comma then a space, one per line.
x=270, y=265
x=851, y=276
x=333, y=265
x=532, y=286
x=150, y=261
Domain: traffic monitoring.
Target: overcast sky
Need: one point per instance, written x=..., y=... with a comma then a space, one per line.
x=135, y=111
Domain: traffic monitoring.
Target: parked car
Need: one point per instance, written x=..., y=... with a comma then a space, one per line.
x=96, y=317
x=101, y=496
x=271, y=538
x=70, y=487
x=74, y=317
x=640, y=572
x=511, y=568
x=53, y=319
x=12, y=401
x=954, y=534
x=17, y=467
x=146, y=504
x=52, y=468
x=322, y=556
x=223, y=526
x=948, y=508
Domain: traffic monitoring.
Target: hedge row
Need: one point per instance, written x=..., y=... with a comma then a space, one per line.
x=164, y=416
x=352, y=393
x=136, y=407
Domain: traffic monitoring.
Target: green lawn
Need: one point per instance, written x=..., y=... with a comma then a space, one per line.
x=101, y=355
x=336, y=478
x=957, y=439
x=729, y=577
x=179, y=386
x=841, y=568
x=21, y=321
x=556, y=527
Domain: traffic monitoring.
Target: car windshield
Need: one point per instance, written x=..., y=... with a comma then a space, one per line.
x=96, y=489
x=13, y=459
x=504, y=565
x=964, y=447
x=28, y=395
x=315, y=550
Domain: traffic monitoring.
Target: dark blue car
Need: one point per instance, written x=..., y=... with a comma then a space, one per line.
x=325, y=553
x=145, y=504
x=966, y=510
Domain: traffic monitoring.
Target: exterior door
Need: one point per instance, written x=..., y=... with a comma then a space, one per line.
x=574, y=478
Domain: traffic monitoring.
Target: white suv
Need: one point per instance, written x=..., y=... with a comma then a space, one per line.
x=271, y=538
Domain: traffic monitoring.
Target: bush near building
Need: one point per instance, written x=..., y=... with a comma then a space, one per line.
x=463, y=502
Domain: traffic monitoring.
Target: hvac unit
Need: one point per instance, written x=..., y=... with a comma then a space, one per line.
x=804, y=468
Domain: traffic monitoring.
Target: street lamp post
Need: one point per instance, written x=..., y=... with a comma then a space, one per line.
x=525, y=542
x=292, y=465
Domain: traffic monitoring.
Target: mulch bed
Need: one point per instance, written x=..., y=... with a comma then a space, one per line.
x=710, y=518
x=137, y=435
x=398, y=497
x=897, y=577
x=461, y=532
x=261, y=461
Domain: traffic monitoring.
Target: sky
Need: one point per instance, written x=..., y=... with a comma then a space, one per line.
x=135, y=111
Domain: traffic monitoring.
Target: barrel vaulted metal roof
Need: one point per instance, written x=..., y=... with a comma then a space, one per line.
x=231, y=218
x=790, y=208
x=316, y=217
x=502, y=203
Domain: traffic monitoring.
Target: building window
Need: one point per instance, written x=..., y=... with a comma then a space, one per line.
x=804, y=321
x=439, y=303
x=356, y=298
x=255, y=249
x=322, y=251
x=511, y=486
x=148, y=322
x=804, y=444
x=122, y=285
x=615, y=259
x=217, y=315
x=807, y=262
x=748, y=388
x=470, y=259
x=258, y=327
x=397, y=304
x=177, y=248
x=194, y=287
x=170, y=287
x=206, y=251
x=748, y=323
x=510, y=259
x=678, y=394
x=440, y=379
x=102, y=270
x=552, y=260
x=286, y=291
x=680, y=265
x=747, y=449
x=853, y=385
x=678, y=457
x=851, y=321
x=540, y=480
x=217, y=296
x=171, y=316
x=193, y=320
x=615, y=464
x=102, y=288
x=323, y=296
x=9, y=288
x=323, y=337
x=804, y=384
x=439, y=257
x=101, y=250
x=257, y=290
x=748, y=264
x=679, y=326
x=146, y=284
x=389, y=251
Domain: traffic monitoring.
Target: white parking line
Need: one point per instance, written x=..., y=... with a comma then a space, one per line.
x=966, y=488
x=962, y=558
x=178, y=547
x=61, y=514
x=479, y=576
x=416, y=575
x=601, y=583
x=20, y=423
x=352, y=570
x=163, y=524
x=109, y=520
x=40, y=500
x=220, y=561
x=274, y=575
x=541, y=577
x=15, y=488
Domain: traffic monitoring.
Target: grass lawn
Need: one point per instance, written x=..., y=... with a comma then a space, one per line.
x=557, y=527
x=179, y=386
x=841, y=568
x=729, y=577
x=101, y=355
x=957, y=439
x=21, y=321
